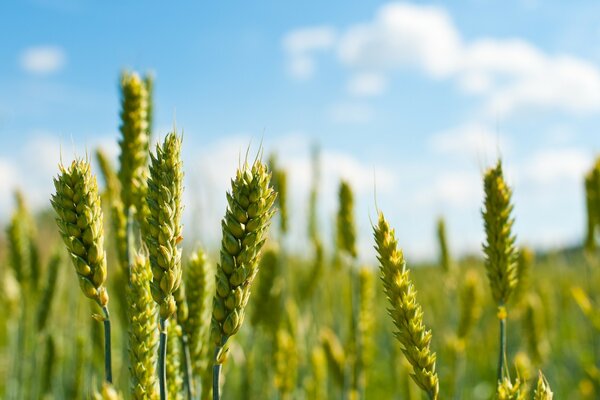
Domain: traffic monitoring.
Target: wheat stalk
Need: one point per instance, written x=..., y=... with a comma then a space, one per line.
x=244, y=229
x=405, y=310
x=79, y=219
x=499, y=249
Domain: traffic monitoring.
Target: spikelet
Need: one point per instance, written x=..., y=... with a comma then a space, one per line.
x=405, y=310
x=334, y=353
x=346, y=229
x=470, y=307
x=286, y=363
x=196, y=326
x=445, y=260
x=244, y=229
x=79, y=219
x=142, y=330
x=542, y=389
x=174, y=372
x=48, y=293
x=165, y=187
x=500, y=253
x=134, y=142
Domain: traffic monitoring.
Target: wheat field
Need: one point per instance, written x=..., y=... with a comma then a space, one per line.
x=103, y=297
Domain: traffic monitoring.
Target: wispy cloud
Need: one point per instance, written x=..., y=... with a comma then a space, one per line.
x=509, y=75
x=301, y=47
x=43, y=60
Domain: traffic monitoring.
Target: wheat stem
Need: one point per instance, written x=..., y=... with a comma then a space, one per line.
x=107, y=346
x=162, y=357
x=217, y=374
x=502, y=354
x=187, y=366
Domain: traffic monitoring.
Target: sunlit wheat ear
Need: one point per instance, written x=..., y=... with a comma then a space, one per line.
x=142, y=330
x=499, y=248
x=525, y=261
x=244, y=226
x=163, y=237
x=19, y=247
x=174, y=358
x=542, y=389
x=316, y=386
x=79, y=218
x=346, y=227
x=404, y=309
x=134, y=142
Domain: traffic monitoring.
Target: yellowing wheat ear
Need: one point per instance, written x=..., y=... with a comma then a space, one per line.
x=404, y=309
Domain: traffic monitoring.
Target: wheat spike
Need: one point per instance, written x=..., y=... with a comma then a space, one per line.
x=346, y=229
x=174, y=372
x=445, y=260
x=244, y=229
x=334, y=353
x=499, y=249
x=79, y=219
x=286, y=363
x=405, y=310
x=508, y=390
x=165, y=187
x=142, y=330
x=134, y=142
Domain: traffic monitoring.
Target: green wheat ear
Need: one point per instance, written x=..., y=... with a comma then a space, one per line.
x=165, y=188
x=245, y=225
x=142, y=330
x=346, y=228
x=134, y=142
x=499, y=249
x=404, y=309
x=79, y=219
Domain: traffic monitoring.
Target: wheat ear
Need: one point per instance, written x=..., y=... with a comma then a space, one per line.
x=404, y=309
x=244, y=227
x=163, y=236
x=499, y=249
x=79, y=219
x=542, y=389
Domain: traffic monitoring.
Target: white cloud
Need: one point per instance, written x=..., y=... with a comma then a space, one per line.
x=400, y=35
x=509, y=75
x=351, y=113
x=301, y=46
x=557, y=166
x=367, y=84
x=470, y=140
x=43, y=60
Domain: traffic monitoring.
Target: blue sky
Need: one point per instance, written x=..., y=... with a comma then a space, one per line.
x=415, y=98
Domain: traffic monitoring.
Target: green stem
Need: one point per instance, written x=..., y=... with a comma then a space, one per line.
x=187, y=367
x=107, y=346
x=162, y=358
x=502, y=355
x=216, y=375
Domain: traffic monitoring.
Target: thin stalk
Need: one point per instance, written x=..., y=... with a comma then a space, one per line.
x=216, y=375
x=107, y=346
x=162, y=358
x=502, y=355
x=187, y=367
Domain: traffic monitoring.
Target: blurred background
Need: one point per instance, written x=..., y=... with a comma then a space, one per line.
x=409, y=101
